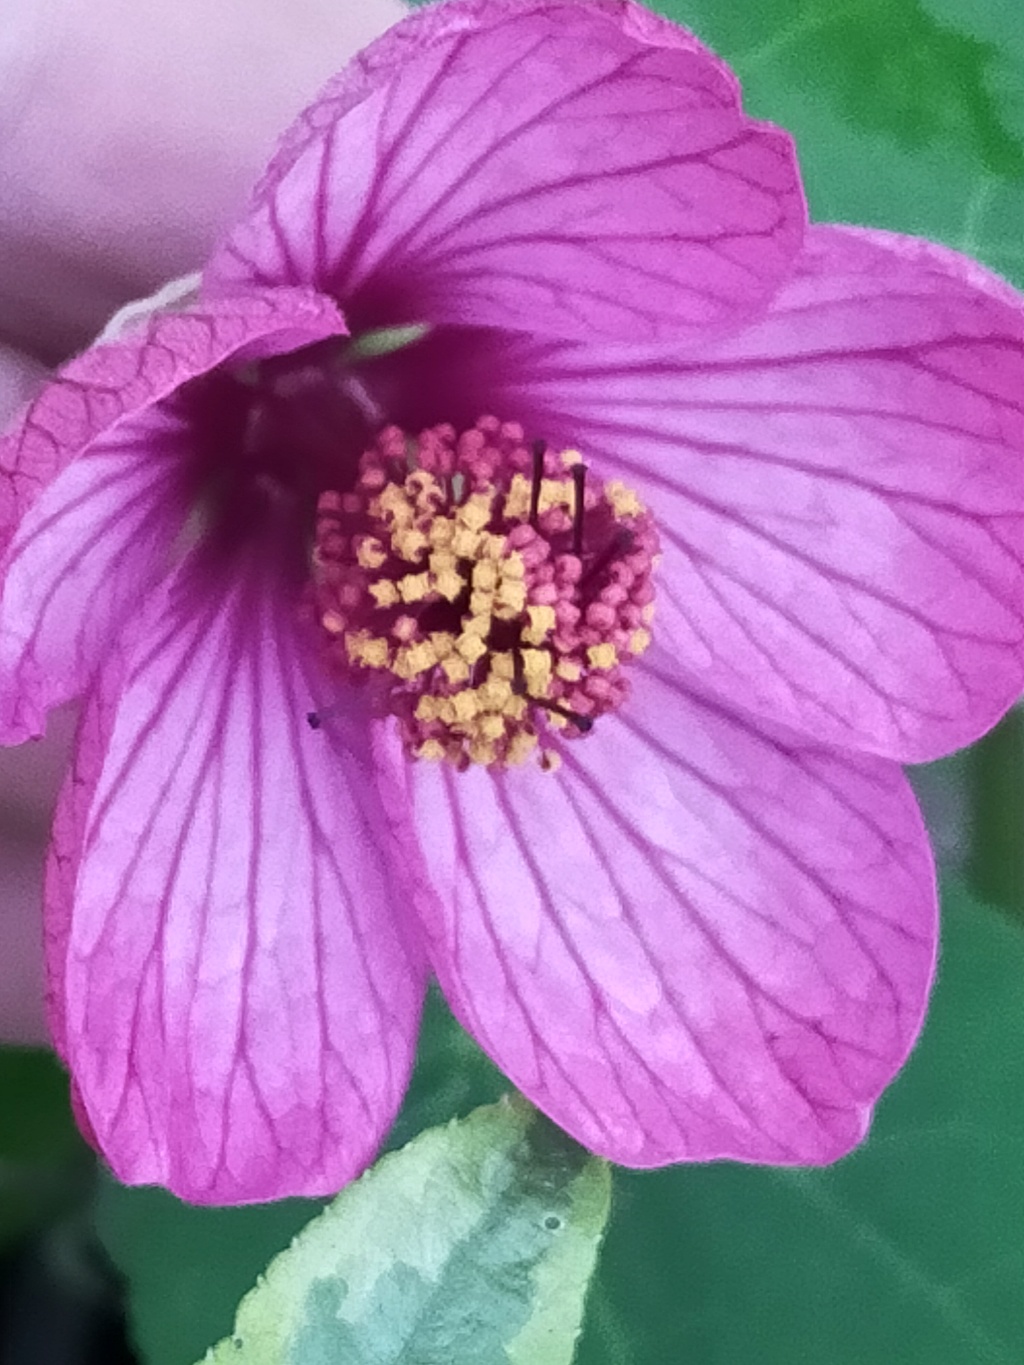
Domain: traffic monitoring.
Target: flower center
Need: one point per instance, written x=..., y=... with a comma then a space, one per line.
x=492, y=591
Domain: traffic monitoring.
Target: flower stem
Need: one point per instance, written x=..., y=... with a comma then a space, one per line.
x=996, y=787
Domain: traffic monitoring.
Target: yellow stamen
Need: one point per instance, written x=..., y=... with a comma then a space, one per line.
x=603, y=655
x=485, y=575
x=556, y=493
x=424, y=489
x=520, y=748
x=414, y=659
x=639, y=641
x=495, y=694
x=449, y=585
x=475, y=512
x=385, y=593
x=442, y=529
x=493, y=547
x=414, y=587
x=515, y=708
x=542, y=623
x=471, y=647
x=409, y=543
x=537, y=671
x=510, y=599
x=491, y=727
x=623, y=501
x=465, y=542
x=464, y=705
x=392, y=504
x=370, y=554
x=443, y=642
x=480, y=752
x=481, y=604
x=444, y=573
x=428, y=707
x=517, y=499
x=455, y=668
x=367, y=650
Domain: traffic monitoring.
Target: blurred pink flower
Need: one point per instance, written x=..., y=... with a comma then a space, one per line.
x=131, y=134
x=704, y=925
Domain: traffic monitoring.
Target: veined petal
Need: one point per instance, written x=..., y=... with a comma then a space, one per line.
x=694, y=940
x=241, y=1005
x=91, y=543
x=95, y=723
x=839, y=491
x=109, y=383
x=81, y=560
x=560, y=166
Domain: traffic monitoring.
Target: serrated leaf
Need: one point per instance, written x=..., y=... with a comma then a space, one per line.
x=474, y=1244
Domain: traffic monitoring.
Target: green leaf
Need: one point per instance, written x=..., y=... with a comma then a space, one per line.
x=886, y=64
x=473, y=1245
x=910, y=1250
x=907, y=114
x=187, y=1267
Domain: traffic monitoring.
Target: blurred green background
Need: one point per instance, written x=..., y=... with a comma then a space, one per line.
x=908, y=116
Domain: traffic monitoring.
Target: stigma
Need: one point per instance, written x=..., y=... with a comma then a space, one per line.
x=491, y=591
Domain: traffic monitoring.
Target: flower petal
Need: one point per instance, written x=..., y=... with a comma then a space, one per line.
x=241, y=1007
x=83, y=557
x=91, y=544
x=839, y=491
x=560, y=166
x=695, y=940
x=95, y=725
x=112, y=382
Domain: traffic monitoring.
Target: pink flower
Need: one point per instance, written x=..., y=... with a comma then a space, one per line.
x=703, y=925
x=129, y=135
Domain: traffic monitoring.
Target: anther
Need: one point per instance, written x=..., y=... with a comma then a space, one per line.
x=579, y=476
x=315, y=719
x=539, y=451
x=583, y=723
x=620, y=543
x=488, y=594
